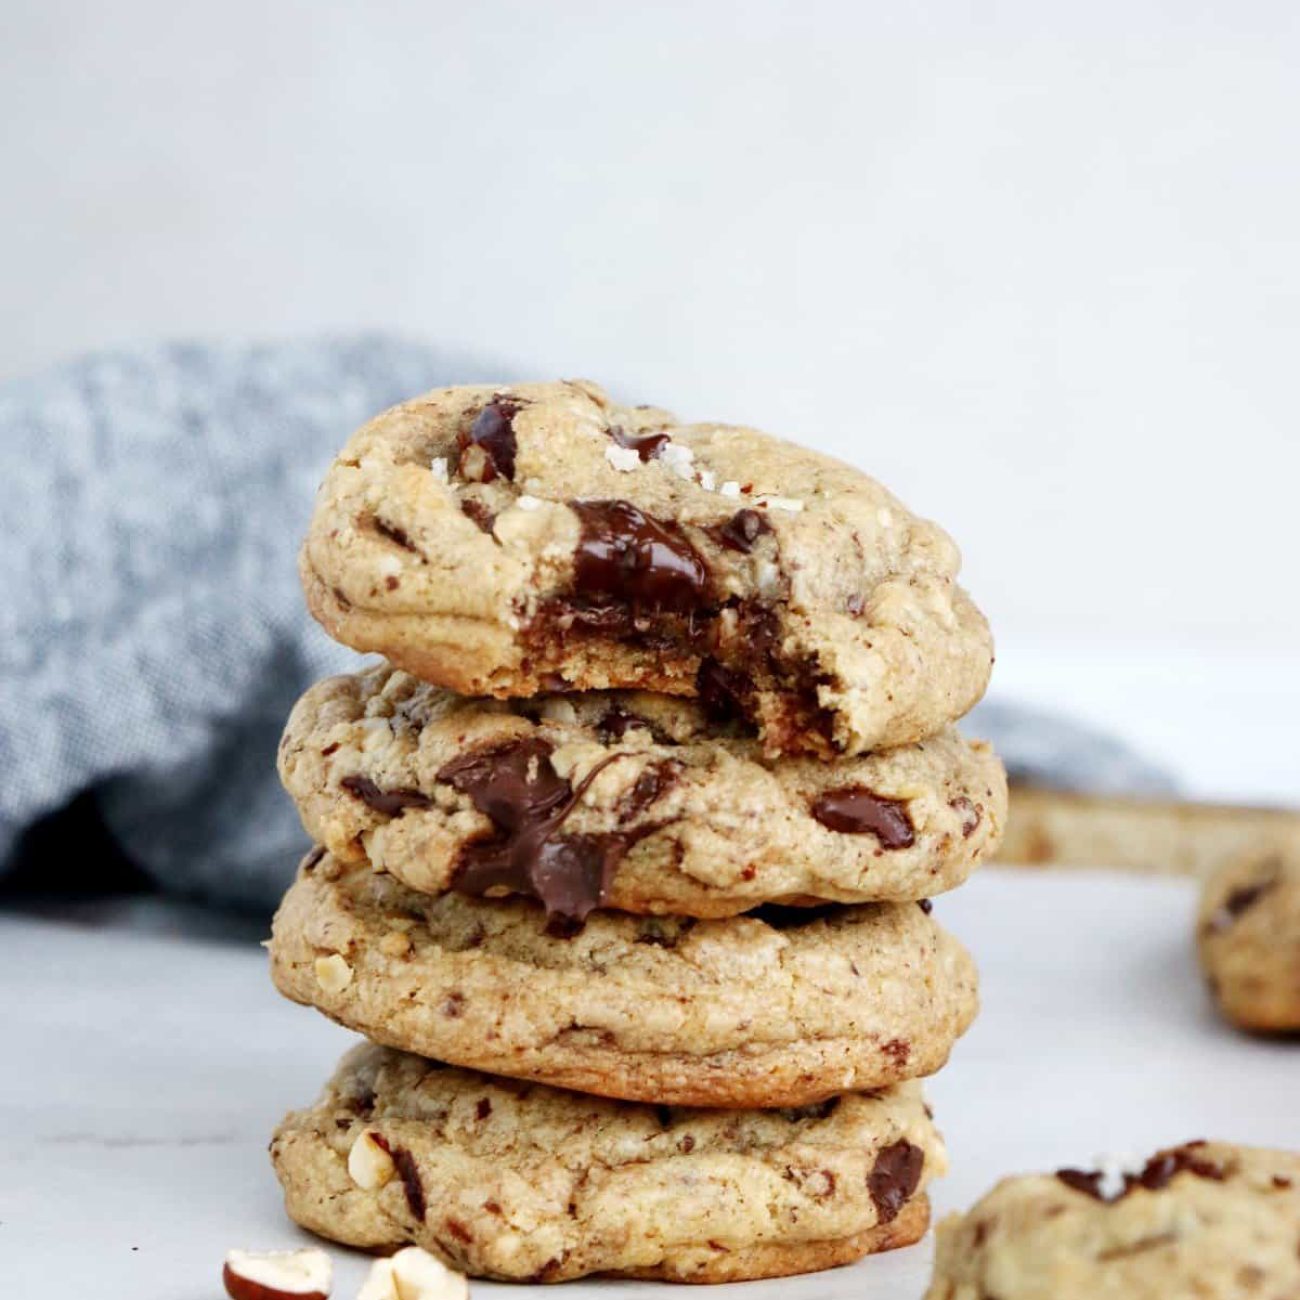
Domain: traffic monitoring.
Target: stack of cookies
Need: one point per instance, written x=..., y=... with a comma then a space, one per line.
x=625, y=851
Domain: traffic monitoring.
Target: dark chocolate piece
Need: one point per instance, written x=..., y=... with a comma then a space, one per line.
x=618, y=721
x=855, y=810
x=409, y=1173
x=894, y=1177
x=1153, y=1177
x=624, y=555
x=389, y=802
x=655, y=779
x=723, y=694
x=742, y=530
x=493, y=430
x=398, y=536
x=646, y=445
x=518, y=790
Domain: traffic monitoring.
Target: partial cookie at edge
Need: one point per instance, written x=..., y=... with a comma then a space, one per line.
x=1248, y=938
x=1205, y=1219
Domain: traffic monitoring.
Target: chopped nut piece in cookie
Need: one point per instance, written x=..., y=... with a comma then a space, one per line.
x=333, y=974
x=370, y=1163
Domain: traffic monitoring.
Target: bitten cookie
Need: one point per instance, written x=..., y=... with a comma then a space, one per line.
x=625, y=800
x=527, y=1183
x=539, y=537
x=777, y=1009
x=1206, y=1219
x=1248, y=935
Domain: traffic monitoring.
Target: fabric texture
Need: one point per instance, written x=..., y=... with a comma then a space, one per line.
x=153, y=637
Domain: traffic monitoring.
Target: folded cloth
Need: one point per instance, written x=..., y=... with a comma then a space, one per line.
x=152, y=634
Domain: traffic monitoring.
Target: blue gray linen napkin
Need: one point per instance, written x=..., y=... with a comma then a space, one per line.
x=152, y=634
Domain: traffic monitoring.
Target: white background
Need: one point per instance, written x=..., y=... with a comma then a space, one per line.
x=1037, y=266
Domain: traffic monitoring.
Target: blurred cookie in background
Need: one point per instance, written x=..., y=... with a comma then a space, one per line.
x=1248, y=939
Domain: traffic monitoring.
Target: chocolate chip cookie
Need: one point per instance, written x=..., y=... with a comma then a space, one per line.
x=527, y=1183
x=1206, y=1219
x=777, y=1008
x=1248, y=936
x=626, y=800
x=511, y=541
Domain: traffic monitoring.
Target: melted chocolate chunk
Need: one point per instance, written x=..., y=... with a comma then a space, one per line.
x=855, y=810
x=493, y=430
x=646, y=445
x=1154, y=1175
x=625, y=556
x=409, y=1173
x=389, y=802
x=926, y=905
x=894, y=1177
x=742, y=530
x=518, y=790
x=396, y=535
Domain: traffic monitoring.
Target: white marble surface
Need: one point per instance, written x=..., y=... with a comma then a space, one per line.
x=144, y=1073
